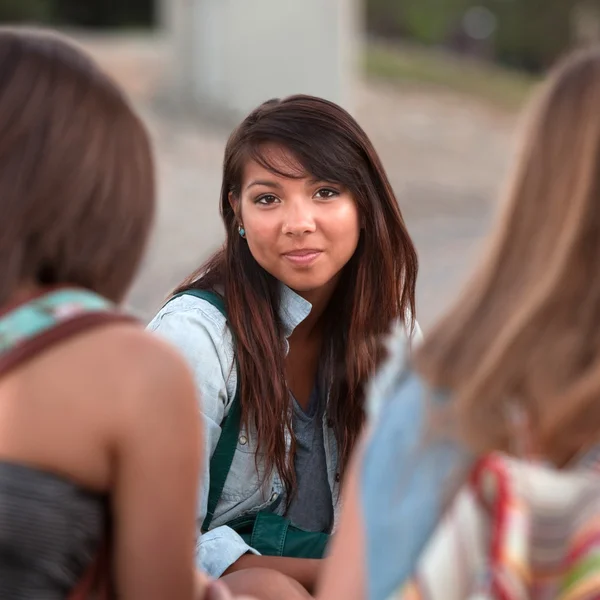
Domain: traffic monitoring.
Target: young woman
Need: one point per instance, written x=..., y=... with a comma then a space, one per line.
x=513, y=368
x=94, y=412
x=316, y=267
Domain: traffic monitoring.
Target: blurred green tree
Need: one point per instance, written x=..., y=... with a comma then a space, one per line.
x=84, y=13
x=529, y=34
x=105, y=13
x=26, y=10
x=432, y=21
x=532, y=33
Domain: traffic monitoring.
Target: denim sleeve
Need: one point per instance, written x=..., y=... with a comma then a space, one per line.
x=406, y=474
x=207, y=347
x=399, y=344
x=218, y=549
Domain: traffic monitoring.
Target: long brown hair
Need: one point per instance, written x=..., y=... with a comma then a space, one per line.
x=376, y=287
x=76, y=170
x=525, y=334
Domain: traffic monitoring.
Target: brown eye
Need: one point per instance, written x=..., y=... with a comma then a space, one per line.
x=327, y=193
x=266, y=200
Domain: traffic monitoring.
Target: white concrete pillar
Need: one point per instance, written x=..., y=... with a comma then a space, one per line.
x=231, y=55
x=176, y=19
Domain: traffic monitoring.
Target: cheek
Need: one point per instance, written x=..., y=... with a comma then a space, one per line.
x=262, y=232
x=343, y=228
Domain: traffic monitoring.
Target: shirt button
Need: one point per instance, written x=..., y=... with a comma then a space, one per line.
x=337, y=477
x=243, y=440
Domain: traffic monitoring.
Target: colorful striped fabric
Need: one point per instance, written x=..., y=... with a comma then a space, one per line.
x=45, y=311
x=517, y=531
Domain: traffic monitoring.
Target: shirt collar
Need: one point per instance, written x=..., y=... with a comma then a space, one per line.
x=293, y=309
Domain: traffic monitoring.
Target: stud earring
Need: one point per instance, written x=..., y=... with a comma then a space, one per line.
x=241, y=231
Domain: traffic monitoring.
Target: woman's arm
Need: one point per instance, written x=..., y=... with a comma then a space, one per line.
x=157, y=451
x=343, y=574
x=303, y=570
x=188, y=324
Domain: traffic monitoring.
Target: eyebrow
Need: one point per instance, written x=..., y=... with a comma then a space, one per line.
x=266, y=183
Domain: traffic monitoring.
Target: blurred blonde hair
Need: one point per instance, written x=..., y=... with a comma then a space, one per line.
x=525, y=333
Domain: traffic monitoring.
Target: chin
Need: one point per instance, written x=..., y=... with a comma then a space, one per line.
x=305, y=285
x=303, y=290
x=301, y=287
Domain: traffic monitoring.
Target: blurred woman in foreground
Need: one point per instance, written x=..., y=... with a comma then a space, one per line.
x=504, y=391
x=94, y=412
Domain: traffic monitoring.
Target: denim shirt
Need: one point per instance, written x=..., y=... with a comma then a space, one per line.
x=408, y=473
x=200, y=333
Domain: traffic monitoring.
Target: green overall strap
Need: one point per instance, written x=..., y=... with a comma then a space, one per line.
x=221, y=460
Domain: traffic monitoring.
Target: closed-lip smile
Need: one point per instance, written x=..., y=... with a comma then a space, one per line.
x=303, y=256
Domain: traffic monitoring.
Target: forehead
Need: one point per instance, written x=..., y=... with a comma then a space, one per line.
x=272, y=161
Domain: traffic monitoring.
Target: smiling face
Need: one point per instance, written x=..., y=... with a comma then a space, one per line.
x=301, y=231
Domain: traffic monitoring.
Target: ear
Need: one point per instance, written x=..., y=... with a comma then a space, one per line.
x=234, y=203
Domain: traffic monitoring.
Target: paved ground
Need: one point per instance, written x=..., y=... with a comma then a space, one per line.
x=446, y=157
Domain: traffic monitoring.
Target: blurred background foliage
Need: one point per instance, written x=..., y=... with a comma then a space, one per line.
x=527, y=34
x=102, y=14
x=492, y=48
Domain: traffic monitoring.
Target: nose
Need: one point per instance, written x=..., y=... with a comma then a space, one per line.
x=298, y=218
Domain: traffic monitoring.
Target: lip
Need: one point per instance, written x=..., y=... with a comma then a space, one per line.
x=303, y=257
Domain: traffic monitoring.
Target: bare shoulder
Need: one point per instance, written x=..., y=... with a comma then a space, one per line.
x=131, y=366
x=129, y=342
x=141, y=349
x=149, y=361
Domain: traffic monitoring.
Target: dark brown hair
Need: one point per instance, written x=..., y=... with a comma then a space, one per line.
x=525, y=333
x=376, y=287
x=76, y=171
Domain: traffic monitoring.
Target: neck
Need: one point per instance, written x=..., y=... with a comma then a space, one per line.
x=319, y=299
x=22, y=294
x=25, y=292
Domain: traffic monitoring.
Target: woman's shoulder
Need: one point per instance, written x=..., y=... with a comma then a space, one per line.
x=130, y=343
x=395, y=369
x=401, y=400
x=189, y=319
x=201, y=310
x=199, y=331
x=141, y=363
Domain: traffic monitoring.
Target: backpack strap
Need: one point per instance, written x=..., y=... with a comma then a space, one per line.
x=220, y=462
x=28, y=329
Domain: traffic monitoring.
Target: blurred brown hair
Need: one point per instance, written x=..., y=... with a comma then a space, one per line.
x=525, y=333
x=76, y=170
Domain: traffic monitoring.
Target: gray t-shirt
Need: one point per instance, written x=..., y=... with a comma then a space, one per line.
x=311, y=508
